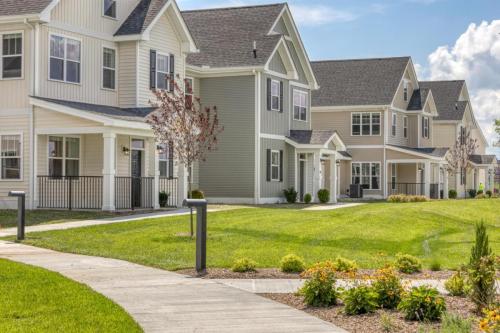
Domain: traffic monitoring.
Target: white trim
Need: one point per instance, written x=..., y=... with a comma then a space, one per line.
x=428, y=157
x=371, y=124
x=115, y=70
x=23, y=49
x=370, y=174
x=104, y=11
x=360, y=108
x=300, y=92
x=273, y=151
x=394, y=124
x=20, y=157
x=273, y=81
x=405, y=127
x=45, y=14
x=208, y=72
x=258, y=115
x=282, y=50
x=272, y=136
x=167, y=55
x=65, y=60
x=63, y=158
x=137, y=66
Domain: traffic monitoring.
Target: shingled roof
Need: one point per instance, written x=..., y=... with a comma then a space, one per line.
x=482, y=159
x=434, y=152
x=225, y=36
x=141, y=17
x=446, y=95
x=311, y=137
x=22, y=7
x=418, y=99
x=358, y=81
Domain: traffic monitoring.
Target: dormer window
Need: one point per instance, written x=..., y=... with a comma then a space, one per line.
x=394, y=123
x=425, y=128
x=110, y=8
x=405, y=91
x=162, y=72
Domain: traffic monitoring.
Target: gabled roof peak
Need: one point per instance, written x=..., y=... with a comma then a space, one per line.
x=282, y=4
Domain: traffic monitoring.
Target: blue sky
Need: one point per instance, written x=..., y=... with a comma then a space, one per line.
x=438, y=34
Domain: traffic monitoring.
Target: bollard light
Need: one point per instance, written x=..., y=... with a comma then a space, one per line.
x=21, y=212
x=201, y=232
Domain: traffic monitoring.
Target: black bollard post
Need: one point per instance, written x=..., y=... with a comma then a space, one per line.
x=201, y=232
x=21, y=213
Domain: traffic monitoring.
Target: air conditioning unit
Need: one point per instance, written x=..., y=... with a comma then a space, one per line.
x=356, y=191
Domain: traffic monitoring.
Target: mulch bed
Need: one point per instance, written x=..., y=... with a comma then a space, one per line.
x=274, y=273
x=374, y=323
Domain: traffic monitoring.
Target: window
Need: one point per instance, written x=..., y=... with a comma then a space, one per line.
x=188, y=92
x=425, y=127
x=299, y=105
x=405, y=126
x=275, y=95
x=366, y=174
x=64, y=59
x=275, y=165
x=164, y=160
x=64, y=156
x=110, y=8
x=405, y=91
x=12, y=56
x=462, y=135
x=10, y=157
x=162, y=71
x=393, y=175
x=365, y=123
x=109, y=68
x=463, y=176
x=394, y=123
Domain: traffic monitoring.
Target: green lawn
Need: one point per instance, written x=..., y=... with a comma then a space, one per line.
x=36, y=300
x=370, y=234
x=8, y=218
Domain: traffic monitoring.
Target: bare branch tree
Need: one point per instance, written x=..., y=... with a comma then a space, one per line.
x=458, y=157
x=181, y=122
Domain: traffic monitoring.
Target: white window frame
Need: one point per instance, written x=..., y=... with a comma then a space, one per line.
x=17, y=55
x=278, y=95
x=425, y=129
x=305, y=106
x=394, y=175
x=394, y=125
x=64, y=158
x=186, y=93
x=361, y=175
x=166, y=149
x=405, y=127
x=405, y=91
x=65, y=59
x=275, y=165
x=158, y=55
x=20, y=157
x=371, y=123
x=109, y=68
x=104, y=10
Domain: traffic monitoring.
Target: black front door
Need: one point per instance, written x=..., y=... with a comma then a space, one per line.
x=136, y=174
x=302, y=172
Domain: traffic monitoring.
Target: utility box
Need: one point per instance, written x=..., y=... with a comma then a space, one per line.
x=21, y=212
x=356, y=191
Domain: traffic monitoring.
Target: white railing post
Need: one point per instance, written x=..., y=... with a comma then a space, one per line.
x=108, y=172
x=156, y=174
x=316, y=175
x=445, y=184
x=427, y=179
x=333, y=179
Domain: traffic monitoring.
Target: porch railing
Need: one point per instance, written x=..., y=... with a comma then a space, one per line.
x=134, y=192
x=169, y=186
x=83, y=192
x=406, y=188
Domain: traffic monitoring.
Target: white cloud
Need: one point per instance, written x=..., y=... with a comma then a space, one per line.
x=313, y=15
x=475, y=57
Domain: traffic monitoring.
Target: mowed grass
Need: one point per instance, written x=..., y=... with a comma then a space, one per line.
x=371, y=234
x=36, y=300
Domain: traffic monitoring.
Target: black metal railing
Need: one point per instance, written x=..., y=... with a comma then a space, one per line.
x=406, y=188
x=82, y=192
x=169, y=186
x=134, y=192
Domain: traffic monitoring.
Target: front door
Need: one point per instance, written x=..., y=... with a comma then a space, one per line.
x=302, y=177
x=136, y=173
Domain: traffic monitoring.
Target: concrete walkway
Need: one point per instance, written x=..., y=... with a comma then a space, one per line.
x=334, y=206
x=162, y=301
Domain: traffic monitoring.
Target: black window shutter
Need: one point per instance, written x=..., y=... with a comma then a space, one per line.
x=423, y=126
x=172, y=72
x=152, y=66
x=170, y=161
x=268, y=94
x=268, y=165
x=281, y=96
x=281, y=165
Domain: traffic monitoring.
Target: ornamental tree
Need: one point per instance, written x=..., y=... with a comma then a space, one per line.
x=458, y=157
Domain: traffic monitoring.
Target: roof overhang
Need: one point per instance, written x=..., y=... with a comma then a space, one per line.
x=207, y=71
x=335, y=139
x=43, y=16
x=284, y=53
x=418, y=154
x=349, y=108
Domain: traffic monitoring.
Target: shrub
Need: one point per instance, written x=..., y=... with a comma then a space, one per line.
x=359, y=300
x=197, y=194
x=345, y=265
x=452, y=194
x=387, y=285
x=290, y=195
x=163, y=198
x=479, y=192
x=292, y=264
x=455, y=324
x=472, y=193
x=307, y=198
x=324, y=195
x=319, y=289
x=490, y=323
x=456, y=285
x=244, y=265
x=435, y=266
x=481, y=196
x=401, y=198
x=489, y=193
x=408, y=264
x=423, y=304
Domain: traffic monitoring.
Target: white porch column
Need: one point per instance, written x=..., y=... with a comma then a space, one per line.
x=476, y=178
x=109, y=172
x=427, y=179
x=445, y=183
x=316, y=175
x=333, y=179
x=35, y=172
x=156, y=184
x=182, y=186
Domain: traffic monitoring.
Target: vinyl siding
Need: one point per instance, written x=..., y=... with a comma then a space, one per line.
x=370, y=155
x=299, y=124
x=399, y=138
x=229, y=171
x=50, y=119
x=127, y=84
x=345, y=177
x=424, y=142
x=275, y=122
x=413, y=131
x=296, y=61
x=122, y=160
x=274, y=189
x=444, y=135
x=399, y=101
x=277, y=65
x=280, y=28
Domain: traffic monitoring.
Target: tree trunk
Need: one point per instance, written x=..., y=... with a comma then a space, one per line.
x=189, y=197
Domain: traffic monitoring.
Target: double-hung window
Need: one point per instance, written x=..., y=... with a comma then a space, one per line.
x=162, y=71
x=110, y=8
x=405, y=91
x=300, y=105
x=405, y=126
x=365, y=123
x=394, y=123
x=275, y=165
x=425, y=127
x=164, y=160
x=393, y=175
x=64, y=156
x=65, y=58
x=108, y=68
x=12, y=56
x=10, y=157
x=275, y=95
x=188, y=92
x=367, y=174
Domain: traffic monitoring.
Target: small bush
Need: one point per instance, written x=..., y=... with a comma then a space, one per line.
x=387, y=285
x=291, y=195
x=307, y=198
x=435, y=266
x=452, y=194
x=244, y=265
x=408, y=264
x=359, y=300
x=489, y=193
x=324, y=196
x=292, y=264
x=197, y=194
x=456, y=285
x=479, y=192
x=481, y=196
x=403, y=198
x=423, y=304
x=345, y=265
x=319, y=289
x=455, y=324
x=163, y=198
x=472, y=193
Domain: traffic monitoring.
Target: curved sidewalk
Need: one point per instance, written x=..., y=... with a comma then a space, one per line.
x=162, y=301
